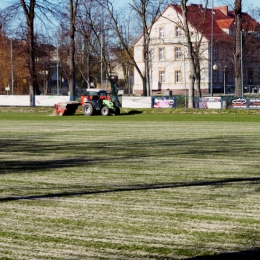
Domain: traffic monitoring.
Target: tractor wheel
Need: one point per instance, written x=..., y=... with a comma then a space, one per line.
x=87, y=109
x=117, y=111
x=105, y=111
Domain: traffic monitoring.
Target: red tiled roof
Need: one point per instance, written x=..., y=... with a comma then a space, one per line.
x=225, y=24
x=195, y=16
x=222, y=19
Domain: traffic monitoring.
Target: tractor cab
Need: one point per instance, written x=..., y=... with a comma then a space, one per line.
x=94, y=94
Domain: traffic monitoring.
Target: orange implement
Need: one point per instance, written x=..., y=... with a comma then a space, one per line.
x=66, y=108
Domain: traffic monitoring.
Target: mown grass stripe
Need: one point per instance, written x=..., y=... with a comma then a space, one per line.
x=141, y=186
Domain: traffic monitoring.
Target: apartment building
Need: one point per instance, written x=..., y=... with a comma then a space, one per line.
x=169, y=67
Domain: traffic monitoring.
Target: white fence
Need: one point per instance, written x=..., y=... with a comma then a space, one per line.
x=24, y=100
x=136, y=102
x=126, y=101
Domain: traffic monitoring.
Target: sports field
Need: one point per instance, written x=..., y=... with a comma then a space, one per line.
x=134, y=186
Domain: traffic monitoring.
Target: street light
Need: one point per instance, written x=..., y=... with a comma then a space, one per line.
x=12, y=66
x=58, y=68
x=242, y=76
x=224, y=71
x=211, y=48
x=128, y=64
x=215, y=67
x=45, y=80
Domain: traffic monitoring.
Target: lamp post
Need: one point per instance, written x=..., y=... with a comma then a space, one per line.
x=128, y=64
x=184, y=70
x=211, y=49
x=242, y=76
x=58, y=68
x=224, y=71
x=45, y=80
x=129, y=81
x=101, y=60
x=147, y=72
x=215, y=67
x=12, y=66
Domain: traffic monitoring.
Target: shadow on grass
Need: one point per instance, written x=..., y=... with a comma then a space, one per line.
x=253, y=254
x=134, y=187
x=125, y=112
x=116, y=151
x=133, y=112
x=15, y=167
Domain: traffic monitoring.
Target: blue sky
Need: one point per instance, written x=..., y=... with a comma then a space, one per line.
x=247, y=4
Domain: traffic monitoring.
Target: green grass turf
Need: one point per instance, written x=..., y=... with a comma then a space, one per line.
x=165, y=185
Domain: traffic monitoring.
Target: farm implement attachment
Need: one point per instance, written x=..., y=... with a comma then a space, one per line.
x=66, y=108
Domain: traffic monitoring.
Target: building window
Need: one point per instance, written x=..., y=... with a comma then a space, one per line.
x=178, y=76
x=177, y=31
x=177, y=53
x=161, y=76
x=161, y=32
x=161, y=53
x=250, y=76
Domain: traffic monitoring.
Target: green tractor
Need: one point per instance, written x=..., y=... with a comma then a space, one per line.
x=95, y=101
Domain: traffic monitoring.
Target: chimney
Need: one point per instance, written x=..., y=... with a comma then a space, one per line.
x=223, y=9
x=196, y=5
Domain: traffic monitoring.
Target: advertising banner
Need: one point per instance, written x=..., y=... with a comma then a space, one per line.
x=163, y=102
x=239, y=103
x=252, y=103
x=210, y=102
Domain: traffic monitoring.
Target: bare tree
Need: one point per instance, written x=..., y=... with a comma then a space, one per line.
x=96, y=33
x=29, y=12
x=237, y=54
x=32, y=9
x=193, y=42
x=192, y=75
x=199, y=47
x=146, y=11
x=73, y=12
x=5, y=58
x=244, y=46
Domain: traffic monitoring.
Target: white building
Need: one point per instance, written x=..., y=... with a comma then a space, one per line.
x=168, y=63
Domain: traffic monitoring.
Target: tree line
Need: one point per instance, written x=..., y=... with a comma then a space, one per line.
x=91, y=38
